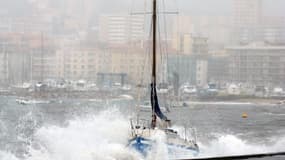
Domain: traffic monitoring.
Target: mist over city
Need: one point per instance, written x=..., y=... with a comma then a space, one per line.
x=175, y=79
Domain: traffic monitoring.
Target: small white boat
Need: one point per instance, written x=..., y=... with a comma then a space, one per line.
x=126, y=96
x=31, y=101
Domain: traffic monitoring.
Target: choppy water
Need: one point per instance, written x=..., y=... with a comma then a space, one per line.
x=98, y=130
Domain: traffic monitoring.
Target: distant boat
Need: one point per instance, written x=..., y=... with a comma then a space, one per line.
x=163, y=88
x=142, y=132
x=126, y=96
x=126, y=87
x=25, y=101
x=188, y=89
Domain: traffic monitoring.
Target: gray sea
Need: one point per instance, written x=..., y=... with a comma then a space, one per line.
x=84, y=129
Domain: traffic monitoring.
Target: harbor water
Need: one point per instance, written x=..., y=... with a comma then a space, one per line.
x=95, y=129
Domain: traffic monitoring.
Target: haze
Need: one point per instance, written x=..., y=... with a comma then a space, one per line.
x=200, y=7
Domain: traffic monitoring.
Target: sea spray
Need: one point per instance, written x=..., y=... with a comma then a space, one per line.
x=7, y=156
x=226, y=145
x=159, y=149
x=102, y=136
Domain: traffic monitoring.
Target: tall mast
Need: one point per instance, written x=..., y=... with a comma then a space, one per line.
x=153, y=78
x=154, y=43
x=154, y=101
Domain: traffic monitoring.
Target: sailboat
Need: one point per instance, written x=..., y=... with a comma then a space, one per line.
x=143, y=131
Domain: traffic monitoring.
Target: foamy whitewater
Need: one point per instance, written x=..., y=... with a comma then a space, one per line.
x=104, y=136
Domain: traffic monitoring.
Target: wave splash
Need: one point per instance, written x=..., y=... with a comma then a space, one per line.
x=104, y=136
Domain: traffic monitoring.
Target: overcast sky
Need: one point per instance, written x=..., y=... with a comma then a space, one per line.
x=200, y=7
x=225, y=7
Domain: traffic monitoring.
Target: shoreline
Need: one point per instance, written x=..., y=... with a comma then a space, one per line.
x=246, y=100
x=240, y=101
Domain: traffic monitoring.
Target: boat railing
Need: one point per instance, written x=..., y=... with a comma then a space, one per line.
x=140, y=127
x=190, y=134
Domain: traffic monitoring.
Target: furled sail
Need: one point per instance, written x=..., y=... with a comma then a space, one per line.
x=155, y=105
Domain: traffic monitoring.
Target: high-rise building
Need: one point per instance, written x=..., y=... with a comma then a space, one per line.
x=3, y=65
x=273, y=30
x=247, y=19
x=120, y=29
x=247, y=12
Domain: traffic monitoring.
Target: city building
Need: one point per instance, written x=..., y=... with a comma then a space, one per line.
x=247, y=20
x=121, y=29
x=81, y=63
x=247, y=13
x=193, y=45
x=132, y=62
x=273, y=30
x=216, y=29
x=257, y=64
x=26, y=57
x=3, y=67
x=42, y=57
x=30, y=24
x=15, y=50
x=218, y=68
x=187, y=69
x=201, y=72
x=181, y=68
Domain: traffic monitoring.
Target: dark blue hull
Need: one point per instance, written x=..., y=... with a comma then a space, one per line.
x=143, y=146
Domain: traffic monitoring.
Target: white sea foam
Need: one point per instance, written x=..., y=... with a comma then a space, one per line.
x=159, y=150
x=231, y=145
x=104, y=137
x=7, y=156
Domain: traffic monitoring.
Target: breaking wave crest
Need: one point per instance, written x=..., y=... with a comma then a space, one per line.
x=232, y=145
x=7, y=156
x=101, y=136
x=104, y=137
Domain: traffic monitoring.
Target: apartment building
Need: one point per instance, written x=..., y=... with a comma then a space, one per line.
x=82, y=63
x=132, y=62
x=257, y=64
x=121, y=29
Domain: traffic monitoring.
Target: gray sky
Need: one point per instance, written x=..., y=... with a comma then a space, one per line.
x=222, y=7
x=200, y=7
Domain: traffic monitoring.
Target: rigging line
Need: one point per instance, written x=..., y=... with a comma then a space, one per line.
x=147, y=60
x=166, y=36
x=143, y=63
x=177, y=67
x=128, y=47
x=160, y=51
x=147, y=51
x=159, y=37
x=163, y=48
x=160, y=45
